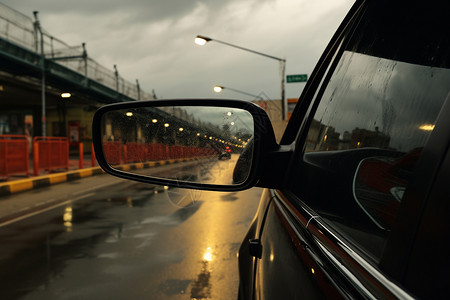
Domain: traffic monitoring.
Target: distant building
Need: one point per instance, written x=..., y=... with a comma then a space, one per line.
x=366, y=138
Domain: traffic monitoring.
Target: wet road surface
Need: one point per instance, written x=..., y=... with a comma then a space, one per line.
x=128, y=240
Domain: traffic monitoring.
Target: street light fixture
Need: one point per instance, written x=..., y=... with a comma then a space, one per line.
x=66, y=95
x=219, y=88
x=202, y=40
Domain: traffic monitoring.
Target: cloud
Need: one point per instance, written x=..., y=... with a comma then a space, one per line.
x=153, y=40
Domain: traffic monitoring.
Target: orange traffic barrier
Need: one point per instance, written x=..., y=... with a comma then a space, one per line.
x=50, y=153
x=92, y=155
x=113, y=152
x=14, y=157
x=156, y=151
x=135, y=152
x=80, y=155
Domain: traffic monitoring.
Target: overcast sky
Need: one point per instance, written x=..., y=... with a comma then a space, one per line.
x=153, y=40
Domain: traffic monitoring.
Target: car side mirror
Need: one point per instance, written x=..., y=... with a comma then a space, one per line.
x=191, y=143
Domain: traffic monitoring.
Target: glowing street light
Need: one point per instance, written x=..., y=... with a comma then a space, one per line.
x=202, y=40
x=66, y=95
x=219, y=88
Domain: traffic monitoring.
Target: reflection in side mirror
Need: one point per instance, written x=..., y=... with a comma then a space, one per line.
x=197, y=144
x=380, y=184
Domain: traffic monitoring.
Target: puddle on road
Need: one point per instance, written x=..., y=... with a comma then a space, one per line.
x=174, y=287
x=201, y=288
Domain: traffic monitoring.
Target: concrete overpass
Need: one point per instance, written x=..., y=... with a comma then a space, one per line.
x=29, y=54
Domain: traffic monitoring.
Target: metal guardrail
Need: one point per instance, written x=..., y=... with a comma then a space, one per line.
x=20, y=29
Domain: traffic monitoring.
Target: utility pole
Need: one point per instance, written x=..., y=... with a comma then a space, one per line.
x=138, y=90
x=37, y=27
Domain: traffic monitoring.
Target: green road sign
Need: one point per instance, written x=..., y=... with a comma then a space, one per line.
x=297, y=78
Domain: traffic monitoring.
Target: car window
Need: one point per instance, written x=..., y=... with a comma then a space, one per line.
x=373, y=119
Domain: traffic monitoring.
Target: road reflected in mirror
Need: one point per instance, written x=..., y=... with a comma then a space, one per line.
x=196, y=144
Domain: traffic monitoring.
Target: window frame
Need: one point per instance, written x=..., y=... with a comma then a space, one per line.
x=394, y=258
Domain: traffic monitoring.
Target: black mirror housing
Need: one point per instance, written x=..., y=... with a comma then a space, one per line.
x=251, y=151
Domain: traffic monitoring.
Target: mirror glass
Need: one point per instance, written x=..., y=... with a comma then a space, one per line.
x=380, y=184
x=198, y=144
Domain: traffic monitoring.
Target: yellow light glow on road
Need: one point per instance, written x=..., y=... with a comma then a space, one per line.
x=67, y=217
x=208, y=254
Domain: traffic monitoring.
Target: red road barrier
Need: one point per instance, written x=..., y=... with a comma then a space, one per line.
x=14, y=157
x=135, y=152
x=174, y=152
x=50, y=153
x=116, y=153
x=156, y=151
x=92, y=155
x=113, y=152
x=80, y=155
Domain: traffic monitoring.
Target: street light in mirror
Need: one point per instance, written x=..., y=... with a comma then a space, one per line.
x=66, y=95
x=202, y=40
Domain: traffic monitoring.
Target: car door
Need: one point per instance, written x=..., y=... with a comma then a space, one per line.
x=368, y=144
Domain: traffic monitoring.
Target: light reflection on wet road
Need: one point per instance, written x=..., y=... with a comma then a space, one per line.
x=128, y=241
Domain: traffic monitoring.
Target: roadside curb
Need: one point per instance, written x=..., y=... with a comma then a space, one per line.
x=12, y=187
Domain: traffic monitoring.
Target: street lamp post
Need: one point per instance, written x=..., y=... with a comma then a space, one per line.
x=64, y=98
x=37, y=26
x=202, y=40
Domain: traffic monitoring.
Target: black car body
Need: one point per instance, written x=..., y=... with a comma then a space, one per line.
x=315, y=238
x=356, y=199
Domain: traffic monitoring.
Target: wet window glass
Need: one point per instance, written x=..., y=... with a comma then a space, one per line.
x=375, y=115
